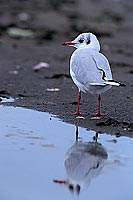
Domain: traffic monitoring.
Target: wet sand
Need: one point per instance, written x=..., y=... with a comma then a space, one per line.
x=52, y=23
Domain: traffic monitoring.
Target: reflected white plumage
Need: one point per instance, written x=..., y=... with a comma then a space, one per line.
x=89, y=69
x=83, y=162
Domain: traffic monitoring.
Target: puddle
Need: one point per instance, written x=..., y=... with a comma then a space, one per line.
x=44, y=158
x=6, y=100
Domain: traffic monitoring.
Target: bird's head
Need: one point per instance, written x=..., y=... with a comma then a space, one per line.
x=88, y=40
x=72, y=187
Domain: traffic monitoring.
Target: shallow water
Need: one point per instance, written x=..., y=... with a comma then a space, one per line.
x=36, y=149
x=6, y=100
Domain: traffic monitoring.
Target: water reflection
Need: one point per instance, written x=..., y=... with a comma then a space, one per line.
x=83, y=162
x=27, y=168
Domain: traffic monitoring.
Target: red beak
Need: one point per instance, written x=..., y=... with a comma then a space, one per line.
x=69, y=43
x=60, y=181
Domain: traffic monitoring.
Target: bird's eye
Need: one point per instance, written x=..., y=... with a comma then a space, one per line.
x=81, y=40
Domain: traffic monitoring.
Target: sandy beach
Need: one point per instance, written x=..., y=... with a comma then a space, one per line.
x=33, y=31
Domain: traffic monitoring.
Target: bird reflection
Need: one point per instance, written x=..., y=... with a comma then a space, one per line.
x=83, y=162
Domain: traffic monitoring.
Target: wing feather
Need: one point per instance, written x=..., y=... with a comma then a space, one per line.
x=103, y=64
x=86, y=67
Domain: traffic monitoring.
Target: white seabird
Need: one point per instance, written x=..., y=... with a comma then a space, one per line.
x=90, y=69
x=83, y=162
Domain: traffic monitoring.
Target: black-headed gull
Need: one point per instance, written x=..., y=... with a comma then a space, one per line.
x=90, y=69
x=83, y=162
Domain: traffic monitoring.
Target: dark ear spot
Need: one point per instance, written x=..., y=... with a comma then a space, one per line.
x=88, y=41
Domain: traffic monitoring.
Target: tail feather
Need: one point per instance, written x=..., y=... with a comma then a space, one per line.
x=122, y=84
x=115, y=83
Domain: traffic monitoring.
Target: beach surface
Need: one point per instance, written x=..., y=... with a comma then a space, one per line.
x=32, y=32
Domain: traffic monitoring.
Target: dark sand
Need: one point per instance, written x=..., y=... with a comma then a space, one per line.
x=52, y=23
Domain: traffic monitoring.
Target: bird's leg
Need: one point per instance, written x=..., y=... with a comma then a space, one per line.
x=99, y=105
x=77, y=134
x=95, y=137
x=79, y=99
x=98, y=114
x=78, y=108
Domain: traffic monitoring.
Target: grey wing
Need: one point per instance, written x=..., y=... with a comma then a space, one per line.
x=85, y=69
x=103, y=64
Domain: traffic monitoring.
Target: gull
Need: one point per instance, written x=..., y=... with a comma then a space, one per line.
x=83, y=162
x=90, y=69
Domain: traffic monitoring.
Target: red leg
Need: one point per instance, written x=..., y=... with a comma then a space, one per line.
x=78, y=108
x=98, y=114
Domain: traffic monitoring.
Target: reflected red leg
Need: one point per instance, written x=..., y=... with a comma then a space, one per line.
x=77, y=134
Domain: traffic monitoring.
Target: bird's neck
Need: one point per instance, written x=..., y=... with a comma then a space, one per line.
x=94, y=44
